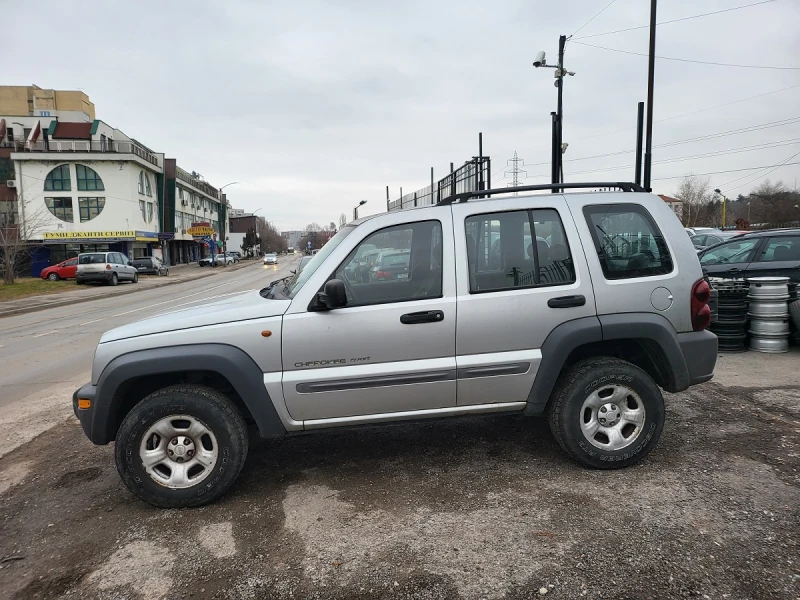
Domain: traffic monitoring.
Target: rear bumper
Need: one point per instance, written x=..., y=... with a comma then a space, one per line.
x=699, y=350
x=104, y=276
x=85, y=415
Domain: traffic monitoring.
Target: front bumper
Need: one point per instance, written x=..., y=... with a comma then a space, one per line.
x=85, y=415
x=699, y=350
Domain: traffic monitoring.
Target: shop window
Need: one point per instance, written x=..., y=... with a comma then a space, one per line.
x=90, y=208
x=60, y=207
x=57, y=180
x=88, y=179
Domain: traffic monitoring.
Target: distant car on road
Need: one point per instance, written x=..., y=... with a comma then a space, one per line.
x=391, y=266
x=270, y=258
x=771, y=253
x=109, y=267
x=63, y=270
x=205, y=262
x=226, y=259
x=150, y=265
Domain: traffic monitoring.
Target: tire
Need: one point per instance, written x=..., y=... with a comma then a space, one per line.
x=620, y=388
x=114, y=280
x=135, y=278
x=53, y=276
x=206, y=406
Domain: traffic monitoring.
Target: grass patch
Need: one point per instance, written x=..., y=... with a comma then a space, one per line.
x=34, y=287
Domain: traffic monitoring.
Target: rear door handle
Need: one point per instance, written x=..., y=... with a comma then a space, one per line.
x=566, y=301
x=426, y=316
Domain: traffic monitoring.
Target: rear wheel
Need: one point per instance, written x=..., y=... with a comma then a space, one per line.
x=53, y=276
x=113, y=280
x=181, y=446
x=606, y=413
x=135, y=278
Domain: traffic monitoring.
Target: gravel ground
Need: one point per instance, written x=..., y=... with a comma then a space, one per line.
x=476, y=508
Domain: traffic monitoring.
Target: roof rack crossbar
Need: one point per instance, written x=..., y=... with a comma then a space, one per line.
x=624, y=186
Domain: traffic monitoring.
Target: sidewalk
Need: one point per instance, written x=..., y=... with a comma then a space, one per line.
x=89, y=292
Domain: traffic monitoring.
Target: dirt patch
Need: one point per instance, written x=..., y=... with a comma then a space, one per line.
x=478, y=508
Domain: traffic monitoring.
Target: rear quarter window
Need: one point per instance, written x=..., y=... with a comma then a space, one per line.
x=627, y=240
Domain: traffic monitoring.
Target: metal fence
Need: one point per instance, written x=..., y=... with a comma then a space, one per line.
x=103, y=146
x=473, y=175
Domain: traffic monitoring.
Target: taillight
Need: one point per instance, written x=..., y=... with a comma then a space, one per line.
x=108, y=267
x=701, y=312
x=381, y=274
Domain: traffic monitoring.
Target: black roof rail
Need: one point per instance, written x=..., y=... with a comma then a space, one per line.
x=621, y=185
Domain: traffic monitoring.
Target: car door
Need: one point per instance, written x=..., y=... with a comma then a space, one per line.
x=779, y=256
x=68, y=268
x=731, y=259
x=391, y=349
x=512, y=292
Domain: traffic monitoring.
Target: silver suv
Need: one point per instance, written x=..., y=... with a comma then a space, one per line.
x=108, y=267
x=580, y=307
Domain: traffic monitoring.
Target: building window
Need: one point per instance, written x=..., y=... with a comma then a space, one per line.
x=149, y=212
x=141, y=182
x=90, y=208
x=60, y=207
x=88, y=179
x=10, y=134
x=143, y=208
x=57, y=180
x=147, y=189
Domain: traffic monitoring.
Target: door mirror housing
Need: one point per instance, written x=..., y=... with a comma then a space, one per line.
x=333, y=295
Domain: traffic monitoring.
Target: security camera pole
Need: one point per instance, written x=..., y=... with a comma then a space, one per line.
x=558, y=145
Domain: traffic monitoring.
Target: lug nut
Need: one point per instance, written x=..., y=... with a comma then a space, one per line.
x=174, y=441
x=602, y=409
x=190, y=453
x=170, y=452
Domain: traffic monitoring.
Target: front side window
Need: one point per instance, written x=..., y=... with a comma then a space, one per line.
x=736, y=251
x=396, y=264
x=784, y=248
x=88, y=179
x=90, y=208
x=58, y=180
x=517, y=249
x=60, y=207
x=627, y=241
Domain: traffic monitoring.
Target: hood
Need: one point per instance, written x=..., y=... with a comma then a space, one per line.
x=249, y=305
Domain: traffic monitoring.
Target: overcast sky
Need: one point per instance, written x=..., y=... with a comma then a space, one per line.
x=316, y=105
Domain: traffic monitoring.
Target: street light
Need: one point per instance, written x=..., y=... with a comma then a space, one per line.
x=797, y=206
x=724, y=207
x=355, y=210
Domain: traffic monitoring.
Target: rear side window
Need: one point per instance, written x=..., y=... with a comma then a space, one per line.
x=627, y=240
x=781, y=249
x=517, y=249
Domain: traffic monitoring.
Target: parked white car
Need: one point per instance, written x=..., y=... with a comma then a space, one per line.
x=226, y=259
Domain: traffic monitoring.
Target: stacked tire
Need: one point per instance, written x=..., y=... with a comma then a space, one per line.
x=730, y=325
x=769, y=314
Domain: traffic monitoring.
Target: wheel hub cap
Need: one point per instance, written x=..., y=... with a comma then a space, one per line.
x=609, y=414
x=178, y=451
x=612, y=417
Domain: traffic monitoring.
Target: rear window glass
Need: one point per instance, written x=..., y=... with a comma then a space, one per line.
x=627, y=240
x=91, y=259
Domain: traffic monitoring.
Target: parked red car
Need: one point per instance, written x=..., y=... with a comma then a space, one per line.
x=63, y=270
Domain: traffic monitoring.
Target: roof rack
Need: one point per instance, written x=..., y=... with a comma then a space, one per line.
x=555, y=187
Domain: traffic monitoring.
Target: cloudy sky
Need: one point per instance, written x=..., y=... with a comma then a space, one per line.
x=315, y=105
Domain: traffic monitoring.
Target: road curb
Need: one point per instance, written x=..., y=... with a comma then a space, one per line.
x=69, y=301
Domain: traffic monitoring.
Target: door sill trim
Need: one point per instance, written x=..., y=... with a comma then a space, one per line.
x=431, y=413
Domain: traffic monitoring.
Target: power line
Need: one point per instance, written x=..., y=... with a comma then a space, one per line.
x=594, y=17
x=716, y=12
x=785, y=162
x=689, y=60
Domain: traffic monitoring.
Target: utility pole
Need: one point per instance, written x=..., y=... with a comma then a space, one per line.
x=648, y=146
x=515, y=171
x=639, y=123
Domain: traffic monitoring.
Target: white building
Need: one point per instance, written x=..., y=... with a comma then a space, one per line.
x=84, y=186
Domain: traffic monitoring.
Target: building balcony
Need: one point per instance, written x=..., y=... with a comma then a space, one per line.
x=82, y=147
x=196, y=183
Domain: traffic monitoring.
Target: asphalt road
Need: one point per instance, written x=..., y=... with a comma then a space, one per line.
x=55, y=347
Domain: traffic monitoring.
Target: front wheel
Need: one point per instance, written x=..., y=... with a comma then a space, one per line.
x=53, y=276
x=182, y=446
x=606, y=413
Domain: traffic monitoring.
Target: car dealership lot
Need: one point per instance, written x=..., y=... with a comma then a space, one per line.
x=448, y=509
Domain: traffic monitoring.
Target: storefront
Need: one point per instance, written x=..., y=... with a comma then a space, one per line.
x=61, y=245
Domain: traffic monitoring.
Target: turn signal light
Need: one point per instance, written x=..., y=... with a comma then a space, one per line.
x=84, y=403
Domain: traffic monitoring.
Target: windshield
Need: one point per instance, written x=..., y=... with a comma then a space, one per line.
x=300, y=278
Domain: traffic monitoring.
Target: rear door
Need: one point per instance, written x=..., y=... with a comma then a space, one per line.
x=779, y=256
x=512, y=291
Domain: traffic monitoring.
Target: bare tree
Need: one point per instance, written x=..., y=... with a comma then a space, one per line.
x=696, y=195
x=332, y=227
x=15, y=245
x=270, y=238
x=342, y=220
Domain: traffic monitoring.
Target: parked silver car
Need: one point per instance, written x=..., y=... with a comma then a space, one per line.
x=108, y=267
x=584, y=327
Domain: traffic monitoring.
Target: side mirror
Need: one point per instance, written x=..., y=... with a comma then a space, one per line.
x=333, y=294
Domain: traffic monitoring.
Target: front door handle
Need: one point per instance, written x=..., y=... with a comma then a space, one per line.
x=734, y=270
x=566, y=301
x=426, y=316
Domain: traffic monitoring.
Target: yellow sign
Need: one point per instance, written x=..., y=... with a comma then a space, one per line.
x=200, y=231
x=80, y=235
